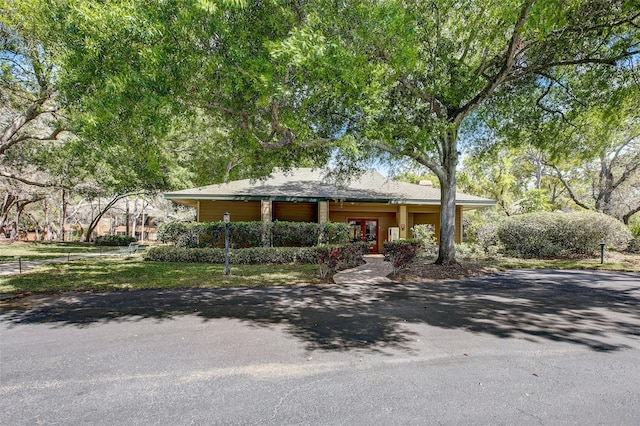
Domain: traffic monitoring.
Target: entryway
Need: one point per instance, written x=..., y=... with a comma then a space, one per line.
x=366, y=230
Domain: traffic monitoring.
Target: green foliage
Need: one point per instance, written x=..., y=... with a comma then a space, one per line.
x=243, y=256
x=293, y=234
x=114, y=240
x=481, y=231
x=332, y=258
x=334, y=233
x=328, y=258
x=471, y=251
x=548, y=235
x=634, y=244
x=400, y=253
x=253, y=234
x=426, y=236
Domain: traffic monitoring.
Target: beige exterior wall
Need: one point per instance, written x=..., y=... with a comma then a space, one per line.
x=295, y=212
x=388, y=215
x=434, y=219
x=241, y=211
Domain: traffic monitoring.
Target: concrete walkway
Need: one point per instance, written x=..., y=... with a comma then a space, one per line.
x=375, y=271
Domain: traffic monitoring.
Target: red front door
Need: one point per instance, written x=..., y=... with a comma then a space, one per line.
x=365, y=230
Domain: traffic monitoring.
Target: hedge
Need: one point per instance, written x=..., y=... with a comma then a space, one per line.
x=560, y=235
x=400, y=252
x=114, y=240
x=253, y=234
x=346, y=256
x=336, y=258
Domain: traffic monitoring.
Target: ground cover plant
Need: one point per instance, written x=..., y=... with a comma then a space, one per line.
x=117, y=274
x=44, y=250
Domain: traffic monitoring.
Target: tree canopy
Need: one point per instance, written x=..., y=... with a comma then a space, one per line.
x=253, y=84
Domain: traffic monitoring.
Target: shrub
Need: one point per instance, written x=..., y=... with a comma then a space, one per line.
x=182, y=234
x=335, y=233
x=332, y=258
x=400, y=253
x=243, y=256
x=561, y=234
x=469, y=251
x=335, y=258
x=426, y=236
x=634, y=245
x=114, y=240
x=253, y=234
x=294, y=234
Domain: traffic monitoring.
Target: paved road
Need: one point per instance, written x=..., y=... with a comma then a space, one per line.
x=522, y=348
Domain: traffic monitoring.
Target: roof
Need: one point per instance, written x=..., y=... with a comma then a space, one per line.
x=313, y=185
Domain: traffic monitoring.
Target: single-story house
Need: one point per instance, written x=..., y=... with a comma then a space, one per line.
x=376, y=207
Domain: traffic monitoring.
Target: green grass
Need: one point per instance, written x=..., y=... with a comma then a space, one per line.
x=613, y=262
x=41, y=250
x=113, y=274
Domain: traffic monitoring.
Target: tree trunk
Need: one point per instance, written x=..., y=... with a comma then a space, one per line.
x=447, y=248
x=96, y=220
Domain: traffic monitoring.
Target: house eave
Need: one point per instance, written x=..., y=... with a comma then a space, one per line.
x=246, y=197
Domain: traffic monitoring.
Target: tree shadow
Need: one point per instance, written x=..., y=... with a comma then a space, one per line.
x=590, y=309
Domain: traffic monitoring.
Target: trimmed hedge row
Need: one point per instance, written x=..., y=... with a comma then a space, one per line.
x=244, y=256
x=333, y=257
x=561, y=234
x=254, y=234
x=114, y=240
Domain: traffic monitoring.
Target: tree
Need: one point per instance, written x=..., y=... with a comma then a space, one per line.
x=583, y=131
x=366, y=76
x=199, y=73
x=405, y=78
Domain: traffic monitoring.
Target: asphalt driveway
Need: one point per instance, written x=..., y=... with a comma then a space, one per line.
x=528, y=347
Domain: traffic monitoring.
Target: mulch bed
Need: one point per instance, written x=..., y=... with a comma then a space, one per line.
x=429, y=271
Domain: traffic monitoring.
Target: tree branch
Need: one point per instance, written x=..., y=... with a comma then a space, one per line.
x=567, y=187
x=627, y=216
x=30, y=182
x=436, y=106
x=508, y=59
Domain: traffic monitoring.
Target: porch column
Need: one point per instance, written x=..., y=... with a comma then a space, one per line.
x=198, y=212
x=458, y=237
x=266, y=210
x=323, y=211
x=403, y=222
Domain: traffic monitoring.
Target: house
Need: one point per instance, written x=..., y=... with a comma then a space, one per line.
x=371, y=203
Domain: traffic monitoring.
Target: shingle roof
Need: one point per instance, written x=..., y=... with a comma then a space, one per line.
x=305, y=184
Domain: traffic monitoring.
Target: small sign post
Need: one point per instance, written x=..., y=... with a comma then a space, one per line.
x=227, y=220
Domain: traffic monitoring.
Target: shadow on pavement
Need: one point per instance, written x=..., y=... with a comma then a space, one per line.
x=585, y=308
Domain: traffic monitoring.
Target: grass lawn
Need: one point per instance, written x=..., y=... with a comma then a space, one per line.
x=613, y=262
x=41, y=250
x=112, y=274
